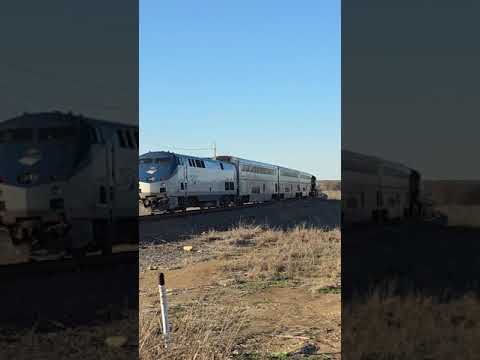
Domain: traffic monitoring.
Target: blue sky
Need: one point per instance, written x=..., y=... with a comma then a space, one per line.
x=259, y=78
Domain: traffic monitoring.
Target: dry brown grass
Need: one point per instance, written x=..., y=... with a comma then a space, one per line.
x=294, y=255
x=412, y=327
x=265, y=254
x=209, y=328
x=200, y=332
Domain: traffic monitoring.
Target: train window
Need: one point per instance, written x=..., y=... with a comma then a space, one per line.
x=352, y=203
x=121, y=139
x=202, y=163
x=182, y=187
x=379, y=199
x=221, y=166
x=163, y=160
x=227, y=186
x=263, y=187
x=137, y=139
x=103, y=195
x=276, y=187
x=93, y=135
x=16, y=135
x=99, y=133
x=62, y=133
x=129, y=139
x=232, y=186
x=198, y=163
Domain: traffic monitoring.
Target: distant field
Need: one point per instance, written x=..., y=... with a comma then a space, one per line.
x=459, y=200
x=461, y=215
x=329, y=185
x=333, y=194
x=454, y=192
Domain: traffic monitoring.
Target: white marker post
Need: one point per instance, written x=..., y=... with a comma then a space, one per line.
x=164, y=308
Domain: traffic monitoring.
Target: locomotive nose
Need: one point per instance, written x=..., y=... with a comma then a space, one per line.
x=22, y=203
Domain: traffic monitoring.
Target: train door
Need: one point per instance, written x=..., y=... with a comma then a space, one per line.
x=188, y=180
x=183, y=177
x=101, y=173
x=124, y=163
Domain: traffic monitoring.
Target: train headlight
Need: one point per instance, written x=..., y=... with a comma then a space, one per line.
x=27, y=178
x=151, y=178
x=56, y=190
x=56, y=204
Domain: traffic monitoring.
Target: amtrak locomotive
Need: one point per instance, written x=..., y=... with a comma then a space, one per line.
x=170, y=181
x=60, y=172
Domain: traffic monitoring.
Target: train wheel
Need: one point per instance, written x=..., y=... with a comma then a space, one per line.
x=79, y=253
x=16, y=235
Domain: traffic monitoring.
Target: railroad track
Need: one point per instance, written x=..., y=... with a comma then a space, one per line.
x=46, y=267
x=156, y=217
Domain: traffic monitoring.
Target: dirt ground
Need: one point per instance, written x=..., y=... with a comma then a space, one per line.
x=53, y=340
x=279, y=308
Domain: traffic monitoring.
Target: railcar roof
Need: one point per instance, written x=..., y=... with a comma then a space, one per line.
x=252, y=162
x=246, y=161
x=55, y=118
x=352, y=156
x=153, y=154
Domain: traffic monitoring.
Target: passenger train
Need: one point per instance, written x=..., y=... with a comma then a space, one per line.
x=170, y=181
x=60, y=171
x=377, y=190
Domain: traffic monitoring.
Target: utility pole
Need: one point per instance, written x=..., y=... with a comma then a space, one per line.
x=214, y=150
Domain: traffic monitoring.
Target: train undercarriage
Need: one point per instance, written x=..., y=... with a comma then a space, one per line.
x=75, y=238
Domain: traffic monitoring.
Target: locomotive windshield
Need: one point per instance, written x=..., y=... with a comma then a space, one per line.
x=163, y=161
x=155, y=168
x=15, y=136
x=41, y=154
x=55, y=134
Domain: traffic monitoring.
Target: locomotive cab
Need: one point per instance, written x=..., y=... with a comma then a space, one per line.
x=38, y=155
x=155, y=169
